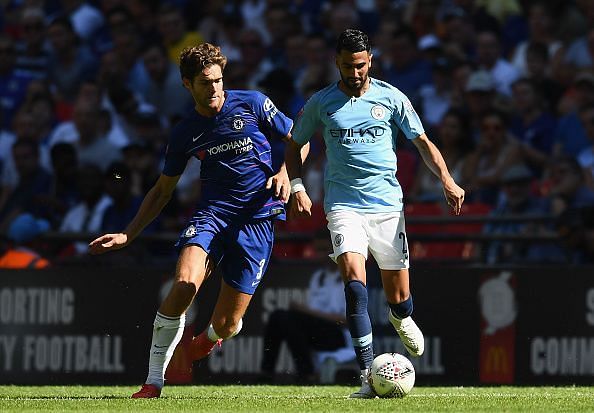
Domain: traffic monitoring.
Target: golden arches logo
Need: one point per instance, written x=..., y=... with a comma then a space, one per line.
x=497, y=361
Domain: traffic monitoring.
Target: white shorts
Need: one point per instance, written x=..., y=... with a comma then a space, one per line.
x=382, y=234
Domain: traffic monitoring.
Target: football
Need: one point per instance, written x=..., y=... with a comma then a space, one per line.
x=391, y=375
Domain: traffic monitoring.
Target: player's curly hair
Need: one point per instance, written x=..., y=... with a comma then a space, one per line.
x=353, y=41
x=195, y=59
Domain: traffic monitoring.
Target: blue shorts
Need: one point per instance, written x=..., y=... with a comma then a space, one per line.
x=242, y=249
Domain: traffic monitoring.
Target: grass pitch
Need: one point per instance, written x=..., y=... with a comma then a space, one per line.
x=285, y=399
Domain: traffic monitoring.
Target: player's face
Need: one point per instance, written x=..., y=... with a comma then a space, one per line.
x=354, y=69
x=207, y=90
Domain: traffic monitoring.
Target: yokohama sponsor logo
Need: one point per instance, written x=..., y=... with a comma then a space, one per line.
x=239, y=146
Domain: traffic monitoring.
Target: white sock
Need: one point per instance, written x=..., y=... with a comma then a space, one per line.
x=167, y=332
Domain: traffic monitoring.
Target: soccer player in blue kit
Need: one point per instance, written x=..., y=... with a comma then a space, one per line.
x=229, y=131
x=360, y=117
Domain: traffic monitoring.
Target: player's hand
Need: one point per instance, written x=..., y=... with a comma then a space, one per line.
x=300, y=205
x=108, y=242
x=454, y=195
x=281, y=185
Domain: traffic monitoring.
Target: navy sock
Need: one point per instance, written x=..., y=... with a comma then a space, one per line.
x=403, y=309
x=359, y=323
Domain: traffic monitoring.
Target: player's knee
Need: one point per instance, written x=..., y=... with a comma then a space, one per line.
x=228, y=327
x=184, y=290
x=355, y=293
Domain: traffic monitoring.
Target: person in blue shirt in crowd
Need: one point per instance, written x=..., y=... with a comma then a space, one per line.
x=360, y=117
x=242, y=195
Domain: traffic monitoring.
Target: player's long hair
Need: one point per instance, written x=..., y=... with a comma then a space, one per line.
x=196, y=58
x=353, y=41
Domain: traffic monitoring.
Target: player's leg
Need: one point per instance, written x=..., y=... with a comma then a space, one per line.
x=192, y=268
x=396, y=288
x=388, y=244
x=226, y=321
x=248, y=247
x=352, y=269
x=349, y=241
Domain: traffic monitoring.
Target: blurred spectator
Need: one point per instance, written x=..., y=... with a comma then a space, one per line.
x=280, y=23
x=489, y=58
x=70, y=63
x=567, y=189
x=317, y=325
x=570, y=136
x=126, y=106
x=122, y=210
x=296, y=55
x=542, y=31
x=174, y=33
x=576, y=228
x=580, y=54
x=32, y=54
x=496, y=152
x=408, y=71
x=532, y=125
x=164, y=90
x=458, y=33
x=85, y=18
x=126, y=47
x=63, y=193
x=87, y=215
x=586, y=156
x=92, y=143
x=222, y=27
x=319, y=69
x=256, y=64
x=13, y=84
x=480, y=97
x=538, y=70
x=33, y=181
x=435, y=98
x=517, y=199
x=454, y=143
x=17, y=248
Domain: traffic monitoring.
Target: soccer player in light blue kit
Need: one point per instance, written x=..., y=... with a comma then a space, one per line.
x=242, y=195
x=360, y=118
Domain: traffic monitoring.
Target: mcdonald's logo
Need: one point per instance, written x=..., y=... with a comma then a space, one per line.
x=497, y=361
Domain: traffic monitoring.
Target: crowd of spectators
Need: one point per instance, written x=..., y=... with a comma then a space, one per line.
x=90, y=89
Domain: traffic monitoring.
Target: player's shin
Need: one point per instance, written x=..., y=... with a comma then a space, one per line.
x=167, y=332
x=359, y=323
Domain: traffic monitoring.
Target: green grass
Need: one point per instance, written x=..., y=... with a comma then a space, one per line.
x=284, y=399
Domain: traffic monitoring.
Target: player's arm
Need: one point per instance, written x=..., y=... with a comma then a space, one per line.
x=154, y=201
x=435, y=162
x=280, y=181
x=295, y=155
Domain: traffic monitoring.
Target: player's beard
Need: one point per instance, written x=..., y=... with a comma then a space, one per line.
x=352, y=84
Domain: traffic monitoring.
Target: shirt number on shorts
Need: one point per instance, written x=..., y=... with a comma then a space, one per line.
x=402, y=236
x=261, y=269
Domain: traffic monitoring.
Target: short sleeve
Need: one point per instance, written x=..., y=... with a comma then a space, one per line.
x=275, y=122
x=307, y=121
x=176, y=156
x=406, y=118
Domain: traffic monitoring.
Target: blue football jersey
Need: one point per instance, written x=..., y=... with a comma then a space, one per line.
x=235, y=154
x=360, y=136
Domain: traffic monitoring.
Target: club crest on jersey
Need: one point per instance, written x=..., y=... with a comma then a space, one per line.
x=338, y=239
x=238, y=123
x=378, y=112
x=190, y=231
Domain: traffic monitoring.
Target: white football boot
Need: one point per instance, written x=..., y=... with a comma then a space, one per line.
x=409, y=333
x=365, y=392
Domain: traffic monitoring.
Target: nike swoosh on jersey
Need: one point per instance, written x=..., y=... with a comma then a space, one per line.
x=197, y=137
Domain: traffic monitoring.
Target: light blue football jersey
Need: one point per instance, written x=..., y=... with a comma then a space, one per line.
x=360, y=135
